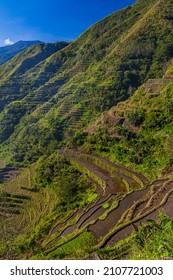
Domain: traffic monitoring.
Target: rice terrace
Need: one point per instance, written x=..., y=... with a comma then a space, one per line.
x=86, y=141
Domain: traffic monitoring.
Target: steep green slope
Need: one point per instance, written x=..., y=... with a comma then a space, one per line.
x=101, y=68
x=11, y=75
x=138, y=132
x=8, y=52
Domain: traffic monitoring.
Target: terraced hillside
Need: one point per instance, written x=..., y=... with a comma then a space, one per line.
x=110, y=217
x=13, y=87
x=122, y=198
x=8, y=52
x=86, y=132
x=21, y=207
x=138, y=132
x=104, y=66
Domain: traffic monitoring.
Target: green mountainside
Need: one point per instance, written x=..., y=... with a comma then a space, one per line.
x=8, y=52
x=10, y=91
x=102, y=67
x=86, y=142
x=138, y=132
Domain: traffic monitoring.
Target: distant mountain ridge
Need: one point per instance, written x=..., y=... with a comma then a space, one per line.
x=8, y=52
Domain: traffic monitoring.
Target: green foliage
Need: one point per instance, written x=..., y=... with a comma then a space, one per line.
x=1, y=189
x=169, y=147
x=142, y=137
x=136, y=117
x=153, y=240
x=77, y=248
x=106, y=205
x=125, y=132
x=71, y=187
x=10, y=118
x=79, y=138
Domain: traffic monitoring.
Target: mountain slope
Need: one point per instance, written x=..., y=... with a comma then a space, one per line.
x=102, y=67
x=12, y=73
x=8, y=52
x=139, y=131
x=95, y=120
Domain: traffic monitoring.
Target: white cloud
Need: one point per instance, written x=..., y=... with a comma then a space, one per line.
x=8, y=42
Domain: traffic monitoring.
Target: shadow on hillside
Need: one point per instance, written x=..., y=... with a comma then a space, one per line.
x=7, y=173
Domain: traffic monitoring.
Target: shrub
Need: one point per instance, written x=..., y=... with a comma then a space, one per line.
x=136, y=117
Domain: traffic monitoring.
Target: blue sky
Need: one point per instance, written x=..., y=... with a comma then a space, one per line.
x=52, y=20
